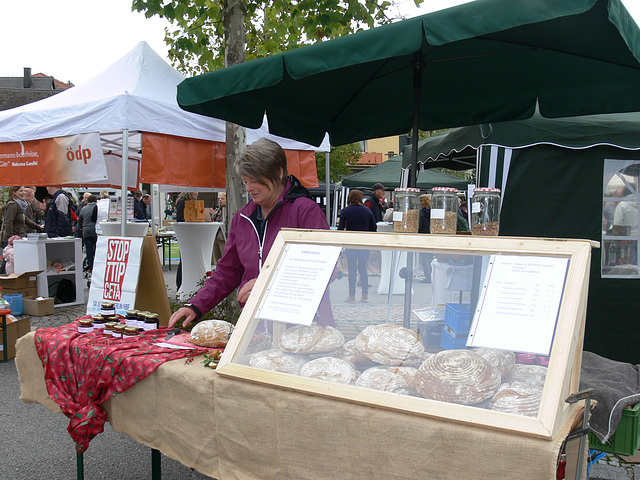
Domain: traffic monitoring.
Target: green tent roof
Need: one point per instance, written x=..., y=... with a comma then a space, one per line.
x=618, y=129
x=388, y=173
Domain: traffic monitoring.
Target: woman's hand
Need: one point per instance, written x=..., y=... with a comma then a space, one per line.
x=243, y=294
x=183, y=312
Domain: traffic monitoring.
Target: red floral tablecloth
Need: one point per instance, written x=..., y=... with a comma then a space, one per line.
x=83, y=370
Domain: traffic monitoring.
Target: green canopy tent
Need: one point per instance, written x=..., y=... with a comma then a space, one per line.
x=389, y=172
x=484, y=61
x=551, y=172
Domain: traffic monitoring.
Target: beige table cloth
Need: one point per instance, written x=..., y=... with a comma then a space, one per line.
x=233, y=429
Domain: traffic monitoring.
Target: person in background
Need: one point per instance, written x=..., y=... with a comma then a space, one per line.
x=15, y=220
x=146, y=201
x=140, y=207
x=87, y=228
x=388, y=213
x=103, y=210
x=356, y=217
x=180, y=204
x=278, y=200
x=58, y=218
x=424, y=226
x=37, y=209
x=463, y=211
x=375, y=202
x=219, y=214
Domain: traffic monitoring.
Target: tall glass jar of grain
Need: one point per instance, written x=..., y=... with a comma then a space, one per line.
x=485, y=211
x=444, y=210
x=406, y=210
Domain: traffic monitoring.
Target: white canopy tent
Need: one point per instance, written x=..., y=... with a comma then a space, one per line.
x=135, y=94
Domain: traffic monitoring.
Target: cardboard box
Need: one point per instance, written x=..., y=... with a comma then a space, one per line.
x=24, y=283
x=15, y=330
x=38, y=308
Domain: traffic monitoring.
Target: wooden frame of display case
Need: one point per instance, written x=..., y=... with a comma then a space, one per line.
x=564, y=361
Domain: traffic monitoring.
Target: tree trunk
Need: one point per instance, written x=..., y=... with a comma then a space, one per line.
x=234, y=34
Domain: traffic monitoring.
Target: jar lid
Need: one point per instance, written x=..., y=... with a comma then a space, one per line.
x=486, y=190
x=444, y=189
x=131, y=330
x=415, y=190
x=132, y=312
x=107, y=304
x=85, y=322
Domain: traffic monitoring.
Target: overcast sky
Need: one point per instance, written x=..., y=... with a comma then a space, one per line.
x=74, y=40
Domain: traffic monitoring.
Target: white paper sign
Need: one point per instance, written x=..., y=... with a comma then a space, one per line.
x=300, y=281
x=519, y=305
x=116, y=269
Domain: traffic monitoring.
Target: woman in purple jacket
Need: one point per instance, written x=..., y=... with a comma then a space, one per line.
x=278, y=200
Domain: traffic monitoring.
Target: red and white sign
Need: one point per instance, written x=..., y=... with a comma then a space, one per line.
x=67, y=160
x=116, y=269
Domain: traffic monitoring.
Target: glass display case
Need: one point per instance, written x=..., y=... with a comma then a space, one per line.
x=487, y=330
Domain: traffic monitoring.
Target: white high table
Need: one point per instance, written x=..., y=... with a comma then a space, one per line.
x=390, y=264
x=196, y=244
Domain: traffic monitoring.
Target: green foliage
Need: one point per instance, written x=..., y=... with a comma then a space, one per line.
x=339, y=159
x=196, y=36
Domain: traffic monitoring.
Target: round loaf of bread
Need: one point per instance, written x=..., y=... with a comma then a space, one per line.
x=388, y=379
x=390, y=344
x=518, y=398
x=278, y=361
x=312, y=339
x=330, y=369
x=503, y=360
x=350, y=353
x=457, y=376
x=211, y=333
x=529, y=374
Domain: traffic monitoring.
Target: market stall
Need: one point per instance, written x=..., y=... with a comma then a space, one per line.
x=343, y=424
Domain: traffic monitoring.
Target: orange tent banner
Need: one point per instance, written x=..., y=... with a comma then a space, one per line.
x=73, y=159
x=171, y=160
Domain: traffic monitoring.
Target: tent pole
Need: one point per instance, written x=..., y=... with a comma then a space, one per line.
x=418, y=66
x=327, y=188
x=124, y=182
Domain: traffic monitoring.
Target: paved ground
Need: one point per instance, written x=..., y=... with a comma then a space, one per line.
x=35, y=444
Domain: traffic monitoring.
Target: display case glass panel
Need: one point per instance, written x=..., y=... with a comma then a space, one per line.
x=486, y=330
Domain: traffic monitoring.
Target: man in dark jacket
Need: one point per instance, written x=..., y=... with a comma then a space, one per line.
x=58, y=221
x=374, y=202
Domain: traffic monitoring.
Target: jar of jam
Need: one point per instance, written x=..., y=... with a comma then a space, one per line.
x=151, y=321
x=142, y=317
x=107, y=309
x=85, y=325
x=108, y=328
x=98, y=323
x=118, y=330
x=131, y=319
x=130, y=334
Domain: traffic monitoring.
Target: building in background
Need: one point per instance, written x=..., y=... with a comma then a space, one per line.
x=17, y=91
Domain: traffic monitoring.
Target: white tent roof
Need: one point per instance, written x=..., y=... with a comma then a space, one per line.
x=138, y=93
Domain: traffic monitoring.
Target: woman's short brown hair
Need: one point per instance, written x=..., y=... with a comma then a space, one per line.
x=355, y=197
x=264, y=161
x=425, y=201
